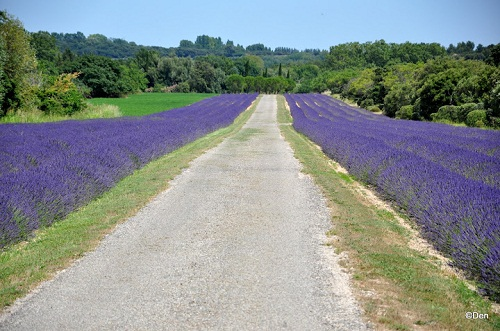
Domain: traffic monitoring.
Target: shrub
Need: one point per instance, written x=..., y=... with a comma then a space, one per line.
x=466, y=108
x=374, y=109
x=495, y=122
x=182, y=88
x=455, y=114
x=98, y=111
x=476, y=118
x=446, y=113
x=366, y=103
x=62, y=96
x=405, y=112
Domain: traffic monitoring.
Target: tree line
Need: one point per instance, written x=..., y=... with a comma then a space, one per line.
x=423, y=81
x=460, y=84
x=36, y=74
x=203, y=45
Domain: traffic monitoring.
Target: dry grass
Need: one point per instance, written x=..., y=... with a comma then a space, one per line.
x=37, y=116
x=99, y=111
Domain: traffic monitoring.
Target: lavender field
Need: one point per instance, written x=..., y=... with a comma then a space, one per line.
x=48, y=170
x=446, y=178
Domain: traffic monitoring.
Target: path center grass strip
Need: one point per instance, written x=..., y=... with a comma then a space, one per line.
x=24, y=265
x=398, y=287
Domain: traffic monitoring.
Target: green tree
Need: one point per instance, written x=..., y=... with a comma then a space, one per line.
x=446, y=113
x=45, y=46
x=101, y=74
x=249, y=65
x=357, y=89
x=133, y=79
x=253, y=84
x=303, y=72
x=174, y=70
x=208, y=42
x=349, y=55
x=246, y=68
x=205, y=78
x=186, y=43
x=19, y=66
x=407, y=113
x=455, y=82
x=61, y=96
x=304, y=87
x=401, y=94
x=336, y=80
x=182, y=88
x=494, y=57
x=439, y=89
x=148, y=61
x=99, y=44
x=378, y=53
x=3, y=87
x=476, y=118
x=378, y=91
x=475, y=84
x=493, y=101
x=290, y=85
x=258, y=49
x=47, y=52
x=279, y=85
x=318, y=84
x=235, y=83
x=220, y=62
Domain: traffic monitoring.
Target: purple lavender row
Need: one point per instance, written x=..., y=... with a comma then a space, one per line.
x=452, y=192
x=48, y=170
x=477, y=140
x=474, y=154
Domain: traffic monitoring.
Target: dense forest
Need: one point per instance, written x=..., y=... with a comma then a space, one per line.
x=460, y=84
x=56, y=72
x=204, y=45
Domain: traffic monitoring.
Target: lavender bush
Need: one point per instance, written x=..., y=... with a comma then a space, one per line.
x=48, y=170
x=447, y=178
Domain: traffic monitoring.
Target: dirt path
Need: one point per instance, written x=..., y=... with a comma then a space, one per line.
x=237, y=243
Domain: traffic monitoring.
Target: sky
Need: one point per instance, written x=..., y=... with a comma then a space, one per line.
x=307, y=24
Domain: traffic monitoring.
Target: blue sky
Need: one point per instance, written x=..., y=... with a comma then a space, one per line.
x=290, y=23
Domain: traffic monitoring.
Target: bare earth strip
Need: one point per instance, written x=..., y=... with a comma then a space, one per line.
x=237, y=243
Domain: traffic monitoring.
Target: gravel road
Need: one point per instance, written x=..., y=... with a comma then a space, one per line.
x=236, y=243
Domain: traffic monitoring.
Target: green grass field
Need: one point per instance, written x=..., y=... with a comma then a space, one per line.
x=150, y=103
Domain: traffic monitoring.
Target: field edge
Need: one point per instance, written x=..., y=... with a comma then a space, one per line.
x=398, y=287
x=27, y=264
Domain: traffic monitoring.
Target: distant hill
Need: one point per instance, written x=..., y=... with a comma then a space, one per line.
x=99, y=44
x=203, y=45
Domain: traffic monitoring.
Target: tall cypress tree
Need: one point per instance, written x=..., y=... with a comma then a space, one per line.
x=280, y=72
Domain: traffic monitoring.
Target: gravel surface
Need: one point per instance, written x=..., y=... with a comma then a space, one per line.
x=236, y=243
